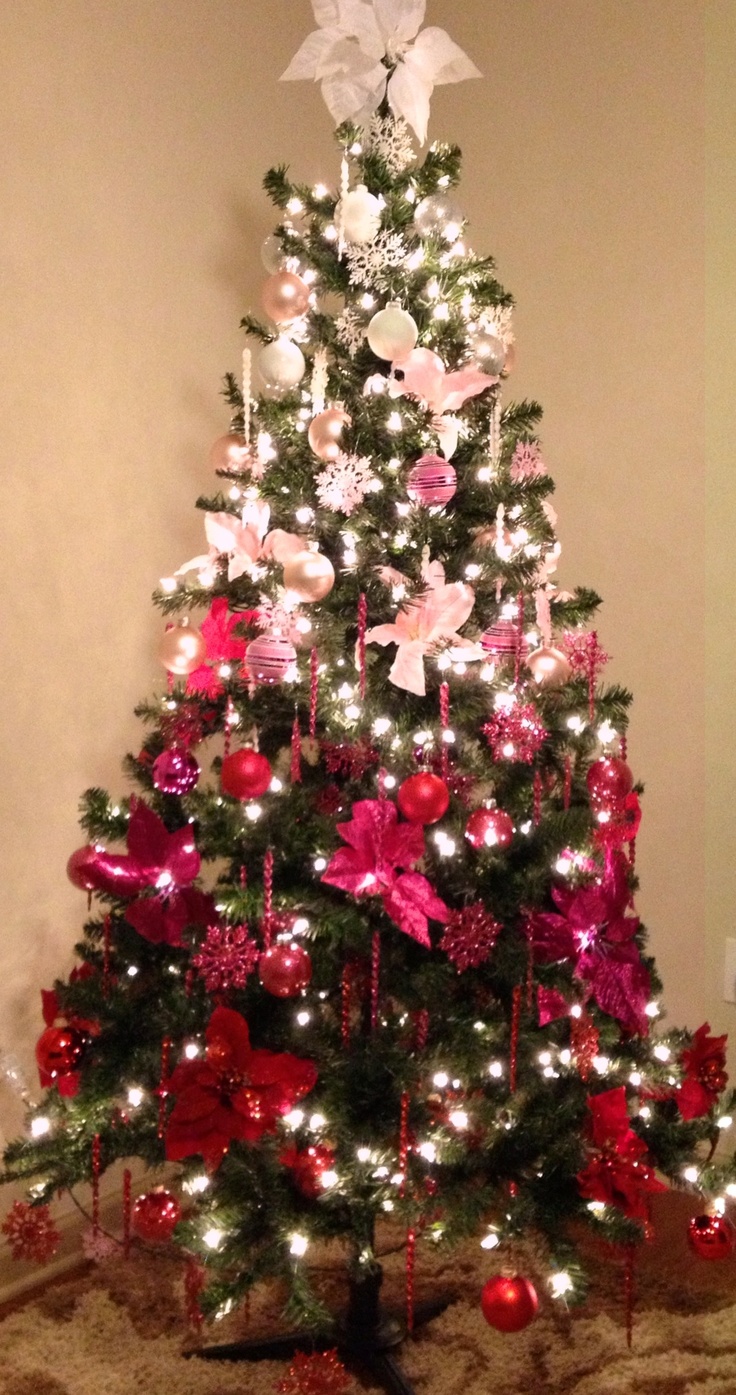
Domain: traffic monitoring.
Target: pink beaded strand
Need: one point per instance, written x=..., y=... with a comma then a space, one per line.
x=96, y=1169
x=267, y=924
x=362, y=623
x=127, y=1209
x=313, y=692
x=375, y=977
x=445, y=723
x=296, y=752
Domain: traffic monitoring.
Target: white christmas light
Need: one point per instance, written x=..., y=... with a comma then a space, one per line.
x=597, y=1207
x=320, y=863
x=276, y=785
x=390, y=782
x=652, y=1009
x=731, y=1189
x=304, y=515
x=196, y=1184
x=606, y=733
x=303, y=1018
x=725, y=1121
x=317, y=1122
x=294, y=1118
x=691, y=1174
x=212, y=1238
x=329, y=1179
x=295, y=206
x=132, y=970
x=381, y=726
x=395, y=422
x=635, y=1078
x=545, y=1058
x=253, y=812
x=298, y=1245
x=490, y=1241
x=40, y=1126
x=576, y=724
x=602, y=1064
x=645, y=1112
x=168, y=584
x=135, y=1096
x=560, y=1284
x=428, y=1152
x=662, y=1052
x=459, y=1119
x=496, y=1070
x=440, y=1080
x=363, y=1154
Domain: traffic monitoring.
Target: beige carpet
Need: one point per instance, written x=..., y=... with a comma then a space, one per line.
x=119, y=1331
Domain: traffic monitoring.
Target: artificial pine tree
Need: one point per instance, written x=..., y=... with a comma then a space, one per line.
x=371, y=953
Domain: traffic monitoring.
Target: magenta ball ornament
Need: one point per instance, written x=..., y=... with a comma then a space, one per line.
x=509, y=1303
x=711, y=1237
x=609, y=780
x=284, y=970
x=432, y=481
x=489, y=828
x=502, y=639
x=269, y=658
x=80, y=866
x=245, y=774
x=175, y=771
x=423, y=798
x=285, y=297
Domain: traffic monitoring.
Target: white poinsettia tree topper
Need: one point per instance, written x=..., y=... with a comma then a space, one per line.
x=365, y=50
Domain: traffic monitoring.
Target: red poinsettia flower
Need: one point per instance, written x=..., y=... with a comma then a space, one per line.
x=222, y=647
x=704, y=1063
x=594, y=929
x=234, y=1092
x=617, y=1173
x=379, y=845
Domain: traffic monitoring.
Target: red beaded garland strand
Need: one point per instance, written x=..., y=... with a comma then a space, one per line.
x=422, y=1029
x=375, y=975
x=227, y=736
x=127, y=1183
x=629, y=1294
x=96, y=1167
x=411, y=1248
x=362, y=623
x=624, y=746
x=346, y=992
x=296, y=752
x=445, y=722
x=313, y=692
x=537, y=809
x=162, y=1091
x=529, y=974
x=193, y=1285
x=267, y=925
x=567, y=787
x=514, y=1046
x=403, y=1140
x=106, y=956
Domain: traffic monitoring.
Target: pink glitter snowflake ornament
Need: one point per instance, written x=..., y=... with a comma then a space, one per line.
x=515, y=733
x=526, y=462
x=344, y=483
x=226, y=958
x=470, y=937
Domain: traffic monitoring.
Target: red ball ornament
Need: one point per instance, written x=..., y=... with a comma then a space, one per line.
x=609, y=780
x=269, y=658
x=432, y=481
x=423, y=798
x=711, y=1237
x=155, y=1216
x=245, y=774
x=79, y=868
x=59, y=1051
x=308, y=1168
x=509, y=1304
x=285, y=970
x=175, y=771
x=489, y=828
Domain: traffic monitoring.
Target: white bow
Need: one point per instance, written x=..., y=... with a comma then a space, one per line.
x=347, y=52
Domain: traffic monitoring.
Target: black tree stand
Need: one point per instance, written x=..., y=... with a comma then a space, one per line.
x=366, y=1337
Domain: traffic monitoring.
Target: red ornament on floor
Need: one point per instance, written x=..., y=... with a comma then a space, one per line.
x=285, y=970
x=59, y=1050
x=423, y=798
x=31, y=1232
x=711, y=1237
x=509, y=1304
x=155, y=1216
x=316, y=1373
x=489, y=828
x=245, y=774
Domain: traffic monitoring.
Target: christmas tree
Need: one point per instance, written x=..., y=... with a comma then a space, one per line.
x=371, y=955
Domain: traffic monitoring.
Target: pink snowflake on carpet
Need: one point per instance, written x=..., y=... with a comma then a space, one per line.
x=344, y=483
x=515, y=733
x=31, y=1232
x=470, y=936
x=526, y=462
x=98, y=1247
x=226, y=958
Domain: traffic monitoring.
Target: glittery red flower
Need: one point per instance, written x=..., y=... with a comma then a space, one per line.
x=617, y=1173
x=515, y=733
x=316, y=1373
x=233, y=1093
x=470, y=936
x=308, y=1166
x=350, y=761
x=226, y=958
x=31, y=1232
x=704, y=1064
x=222, y=647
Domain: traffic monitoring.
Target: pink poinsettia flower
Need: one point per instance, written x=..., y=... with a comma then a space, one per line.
x=378, y=845
x=246, y=542
x=423, y=625
x=594, y=929
x=424, y=376
x=222, y=647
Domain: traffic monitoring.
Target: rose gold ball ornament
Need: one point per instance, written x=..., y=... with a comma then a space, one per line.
x=359, y=213
x=432, y=481
x=310, y=575
x=325, y=432
x=230, y=453
x=392, y=333
x=281, y=364
x=285, y=297
x=269, y=658
x=549, y=667
x=182, y=649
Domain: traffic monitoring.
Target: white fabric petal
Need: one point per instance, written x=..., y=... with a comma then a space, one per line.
x=346, y=58
x=408, y=94
x=326, y=13
x=308, y=60
x=448, y=431
x=348, y=97
x=438, y=57
x=400, y=20
x=359, y=20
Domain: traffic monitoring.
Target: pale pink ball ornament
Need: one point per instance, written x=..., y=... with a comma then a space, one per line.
x=432, y=481
x=325, y=432
x=549, y=667
x=310, y=575
x=182, y=649
x=269, y=658
x=230, y=453
x=392, y=333
x=285, y=297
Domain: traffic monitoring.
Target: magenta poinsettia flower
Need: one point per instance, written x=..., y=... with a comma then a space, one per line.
x=378, y=846
x=162, y=920
x=594, y=929
x=222, y=647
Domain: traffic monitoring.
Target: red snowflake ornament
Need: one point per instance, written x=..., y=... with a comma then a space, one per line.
x=226, y=958
x=515, y=733
x=315, y=1373
x=470, y=936
x=350, y=761
x=31, y=1232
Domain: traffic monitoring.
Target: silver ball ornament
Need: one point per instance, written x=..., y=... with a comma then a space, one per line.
x=360, y=215
x=439, y=216
x=392, y=333
x=281, y=364
x=309, y=575
x=489, y=351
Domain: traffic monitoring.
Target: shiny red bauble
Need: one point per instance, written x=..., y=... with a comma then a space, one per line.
x=423, y=798
x=79, y=867
x=609, y=780
x=489, y=828
x=155, y=1217
x=711, y=1237
x=245, y=774
x=432, y=481
x=285, y=970
x=509, y=1304
x=308, y=1169
x=59, y=1051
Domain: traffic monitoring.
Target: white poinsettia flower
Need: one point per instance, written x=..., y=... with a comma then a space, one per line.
x=365, y=50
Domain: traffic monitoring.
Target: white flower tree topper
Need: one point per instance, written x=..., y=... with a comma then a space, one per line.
x=366, y=50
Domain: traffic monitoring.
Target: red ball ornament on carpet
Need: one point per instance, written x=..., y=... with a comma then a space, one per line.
x=269, y=658
x=175, y=771
x=155, y=1216
x=509, y=1304
x=609, y=780
x=285, y=970
x=432, y=481
x=423, y=798
x=245, y=774
x=59, y=1050
x=711, y=1237
x=489, y=828
x=79, y=866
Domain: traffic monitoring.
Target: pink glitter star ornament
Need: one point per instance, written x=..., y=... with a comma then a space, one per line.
x=470, y=936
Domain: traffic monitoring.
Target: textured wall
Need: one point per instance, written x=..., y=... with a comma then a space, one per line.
x=136, y=134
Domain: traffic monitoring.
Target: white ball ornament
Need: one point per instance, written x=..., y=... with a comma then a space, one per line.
x=360, y=215
x=281, y=364
x=392, y=333
x=439, y=216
